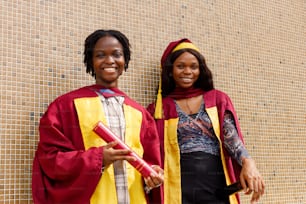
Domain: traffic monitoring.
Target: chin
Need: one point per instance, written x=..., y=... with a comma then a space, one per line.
x=186, y=86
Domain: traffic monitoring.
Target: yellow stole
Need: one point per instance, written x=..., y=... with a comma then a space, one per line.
x=90, y=111
x=172, y=173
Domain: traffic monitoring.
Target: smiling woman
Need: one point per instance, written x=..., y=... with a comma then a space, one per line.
x=72, y=163
x=203, y=149
x=186, y=70
x=108, y=61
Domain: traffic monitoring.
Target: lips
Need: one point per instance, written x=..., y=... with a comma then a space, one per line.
x=109, y=69
x=186, y=80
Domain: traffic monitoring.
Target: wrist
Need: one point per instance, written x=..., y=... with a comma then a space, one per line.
x=245, y=160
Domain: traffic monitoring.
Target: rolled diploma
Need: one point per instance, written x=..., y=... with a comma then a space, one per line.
x=108, y=136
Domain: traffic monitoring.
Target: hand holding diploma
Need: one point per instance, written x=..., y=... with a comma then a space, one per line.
x=111, y=154
x=154, y=181
x=116, y=149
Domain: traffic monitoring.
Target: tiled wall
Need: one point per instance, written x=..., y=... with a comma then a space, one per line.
x=256, y=50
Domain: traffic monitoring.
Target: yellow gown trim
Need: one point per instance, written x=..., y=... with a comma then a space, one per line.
x=172, y=173
x=213, y=115
x=90, y=111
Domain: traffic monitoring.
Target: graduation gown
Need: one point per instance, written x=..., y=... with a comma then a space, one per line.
x=216, y=103
x=69, y=157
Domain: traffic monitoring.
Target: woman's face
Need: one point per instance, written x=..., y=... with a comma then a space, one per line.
x=186, y=70
x=108, y=61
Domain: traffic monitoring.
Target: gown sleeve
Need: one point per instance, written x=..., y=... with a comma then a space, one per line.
x=63, y=171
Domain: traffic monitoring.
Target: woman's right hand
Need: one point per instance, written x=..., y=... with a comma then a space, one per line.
x=110, y=154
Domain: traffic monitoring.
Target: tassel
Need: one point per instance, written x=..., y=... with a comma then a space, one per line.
x=158, y=114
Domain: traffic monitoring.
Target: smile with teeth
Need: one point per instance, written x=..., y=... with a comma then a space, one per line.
x=186, y=79
x=109, y=69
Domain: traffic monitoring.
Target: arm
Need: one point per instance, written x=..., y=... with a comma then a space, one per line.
x=250, y=177
x=61, y=152
x=232, y=142
x=64, y=170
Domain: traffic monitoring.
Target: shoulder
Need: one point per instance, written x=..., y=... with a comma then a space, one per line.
x=131, y=102
x=216, y=92
x=216, y=97
x=68, y=97
x=167, y=101
x=135, y=105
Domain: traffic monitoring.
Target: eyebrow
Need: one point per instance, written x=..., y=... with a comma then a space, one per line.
x=102, y=50
x=182, y=62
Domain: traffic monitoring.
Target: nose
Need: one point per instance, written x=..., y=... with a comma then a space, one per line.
x=187, y=70
x=109, y=59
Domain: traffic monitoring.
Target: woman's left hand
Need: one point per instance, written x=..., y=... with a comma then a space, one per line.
x=155, y=180
x=251, y=180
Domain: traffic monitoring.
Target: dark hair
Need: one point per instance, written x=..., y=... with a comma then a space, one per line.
x=91, y=41
x=204, y=82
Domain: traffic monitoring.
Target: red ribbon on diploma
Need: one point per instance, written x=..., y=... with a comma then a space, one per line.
x=108, y=136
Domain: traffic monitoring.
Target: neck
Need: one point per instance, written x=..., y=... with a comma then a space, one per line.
x=190, y=105
x=113, y=84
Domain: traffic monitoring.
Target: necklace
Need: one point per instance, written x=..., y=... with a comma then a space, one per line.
x=188, y=107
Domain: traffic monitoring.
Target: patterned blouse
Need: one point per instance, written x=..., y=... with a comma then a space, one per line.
x=195, y=133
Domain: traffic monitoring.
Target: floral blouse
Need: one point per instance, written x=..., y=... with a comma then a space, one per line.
x=195, y=133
